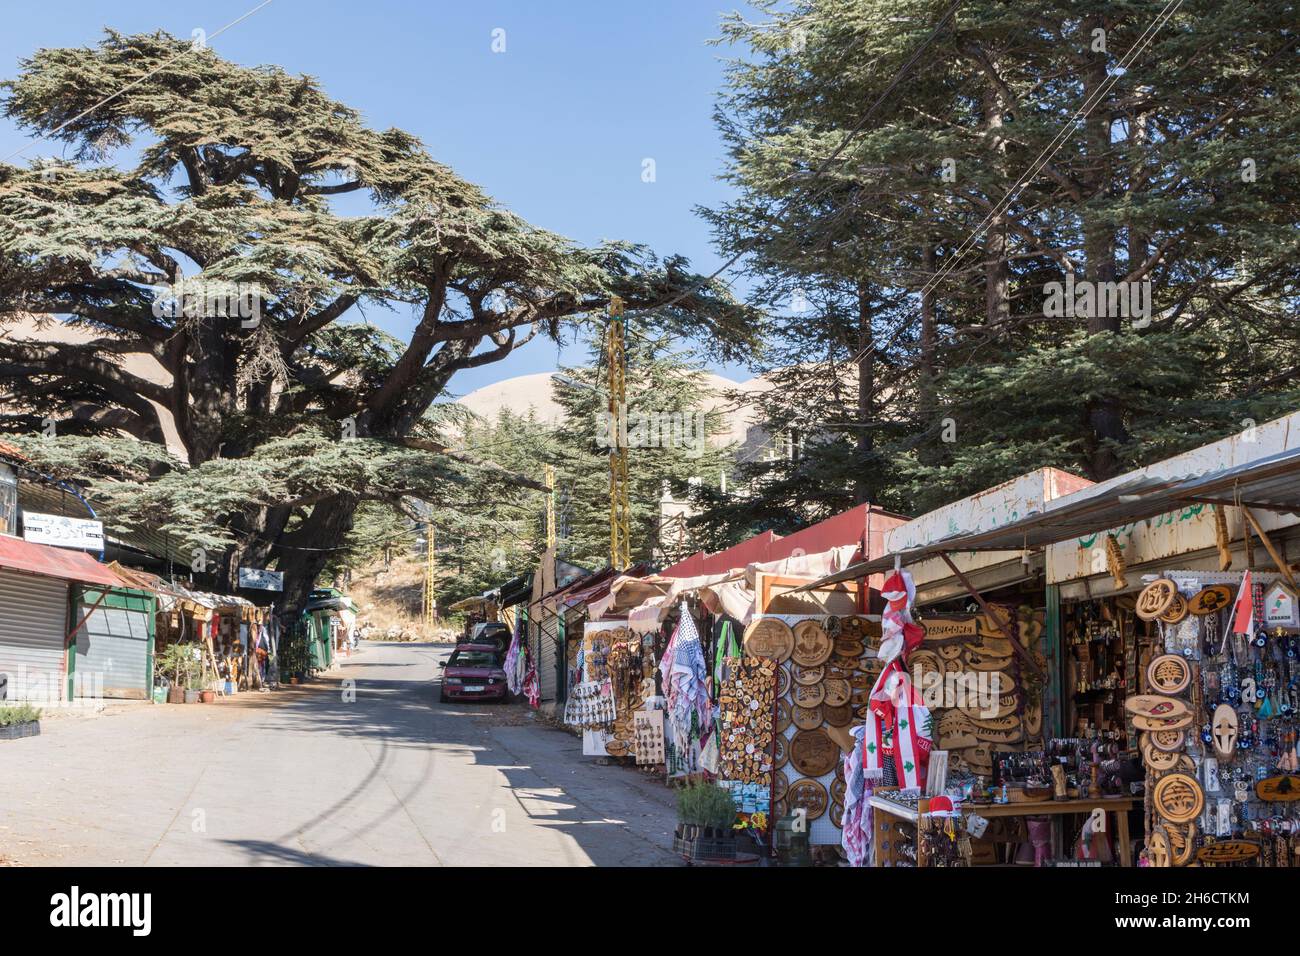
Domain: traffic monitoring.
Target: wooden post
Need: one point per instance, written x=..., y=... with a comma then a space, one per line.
x=1268, y=546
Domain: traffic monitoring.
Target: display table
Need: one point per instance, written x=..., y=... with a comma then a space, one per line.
x=1119, y=806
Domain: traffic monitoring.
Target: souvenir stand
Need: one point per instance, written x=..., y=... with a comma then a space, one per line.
x=1214, y=710
x=614, y=703
x=812, y=654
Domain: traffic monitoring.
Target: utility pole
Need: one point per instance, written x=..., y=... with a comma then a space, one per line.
x=429, y=605
x=620, y=530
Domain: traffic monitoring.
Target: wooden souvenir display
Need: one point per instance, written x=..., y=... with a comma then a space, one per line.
x=746, y=704
x=975, y=657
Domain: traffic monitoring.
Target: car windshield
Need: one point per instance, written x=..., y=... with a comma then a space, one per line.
x=471, y=659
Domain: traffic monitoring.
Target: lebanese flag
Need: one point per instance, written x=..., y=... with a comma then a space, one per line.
x=1243, y=611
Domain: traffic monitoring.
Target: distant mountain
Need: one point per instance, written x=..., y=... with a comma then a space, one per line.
x=524, y=392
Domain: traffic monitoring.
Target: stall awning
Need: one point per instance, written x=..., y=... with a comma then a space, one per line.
x=516, y=590
x=1271, y=483
x=20, y=555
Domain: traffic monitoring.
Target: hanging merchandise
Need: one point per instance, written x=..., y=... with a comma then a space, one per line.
x=856, y=820
x=896, y=744
x=1216, y=710
x=590, y=705
x=516, y=664
x=684, y=673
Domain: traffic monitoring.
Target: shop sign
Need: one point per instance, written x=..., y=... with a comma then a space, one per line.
x=950, y=628
x=261, y=579
x=1280, y=607
x=63, y=532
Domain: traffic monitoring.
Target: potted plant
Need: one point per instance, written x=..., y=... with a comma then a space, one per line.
x=22, y=720
x=705, y=814
x=193, y=682
x=175, y=664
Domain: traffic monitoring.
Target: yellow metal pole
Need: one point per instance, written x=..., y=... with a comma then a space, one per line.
x=620, y=548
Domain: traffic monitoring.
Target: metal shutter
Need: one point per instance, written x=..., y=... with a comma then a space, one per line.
x=112, y=651
x=33, y=622
x=548, y=655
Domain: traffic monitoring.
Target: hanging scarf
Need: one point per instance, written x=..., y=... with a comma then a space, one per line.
x=728, y=647
x=896, y=733
x=514, y=663
x=689, y=710
x=855, y=834
x=897, y=730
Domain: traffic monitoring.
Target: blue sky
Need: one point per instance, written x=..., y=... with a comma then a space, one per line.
x=555, y=128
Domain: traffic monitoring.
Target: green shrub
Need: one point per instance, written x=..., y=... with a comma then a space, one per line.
x=21, y=714
x=706, y=805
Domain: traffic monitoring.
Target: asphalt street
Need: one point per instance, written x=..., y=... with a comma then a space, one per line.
x=361, y=767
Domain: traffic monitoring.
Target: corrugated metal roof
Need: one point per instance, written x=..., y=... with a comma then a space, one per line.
x=54, y=562
x=1271, y=483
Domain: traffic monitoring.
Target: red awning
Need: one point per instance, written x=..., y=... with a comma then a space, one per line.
x=20, y=555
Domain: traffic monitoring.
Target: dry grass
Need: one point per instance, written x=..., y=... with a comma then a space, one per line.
x=393, y=599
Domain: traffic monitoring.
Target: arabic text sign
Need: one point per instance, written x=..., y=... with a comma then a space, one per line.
x=63, y=532
x=263, y=580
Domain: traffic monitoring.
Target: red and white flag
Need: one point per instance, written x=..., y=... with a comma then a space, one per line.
x=1243, y=611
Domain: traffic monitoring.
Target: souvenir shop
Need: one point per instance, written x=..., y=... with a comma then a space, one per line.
x=1192, y=665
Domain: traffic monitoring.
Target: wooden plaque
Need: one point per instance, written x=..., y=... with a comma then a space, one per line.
x=1156, y=598
x=812, y=645
x=808, y=794
x=807, y=718
x=1178, y=798
x=808, y=695
x=1228, y=851
x=782, y=716
x=780, y=786
x=1211, y=599
x=809, y=675
x=780, y=751
x=1156, y=706
x=838, y=692
x=1283, y=789
x=1168, y=674
x=769, y=637
x=813, y=754
x=837, y=715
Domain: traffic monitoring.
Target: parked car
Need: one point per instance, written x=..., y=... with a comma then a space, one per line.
x=474, y=672
x=491, y=632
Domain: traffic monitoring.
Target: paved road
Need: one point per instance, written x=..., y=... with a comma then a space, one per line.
x=310, y=776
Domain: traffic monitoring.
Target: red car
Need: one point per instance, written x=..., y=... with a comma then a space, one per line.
x=473, y=672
